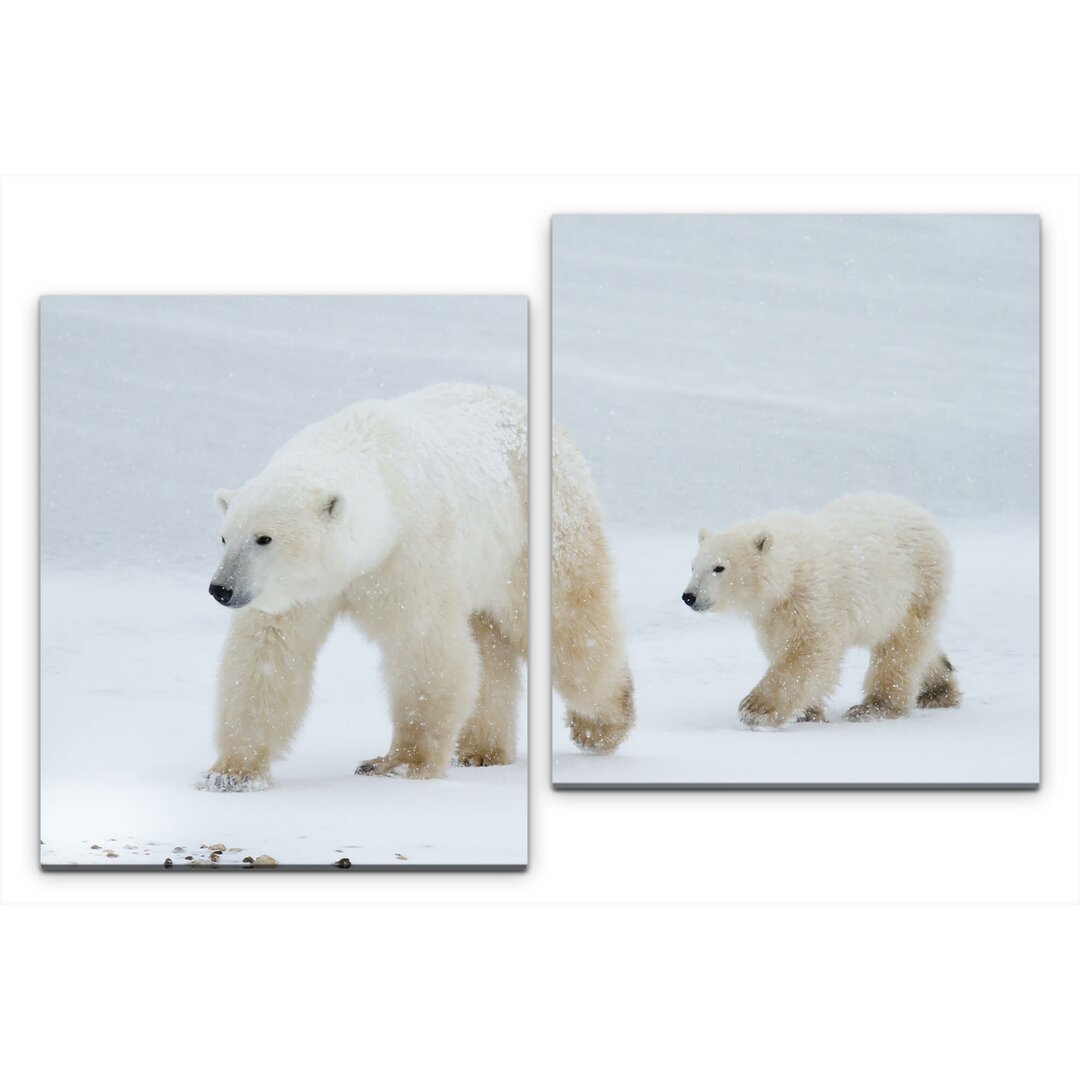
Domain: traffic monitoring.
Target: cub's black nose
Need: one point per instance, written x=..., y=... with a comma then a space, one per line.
x=688, y=598
x=221, y=594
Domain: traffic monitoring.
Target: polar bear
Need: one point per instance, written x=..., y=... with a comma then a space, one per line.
x=867, y=570
x=589, y=665
x=409, y=517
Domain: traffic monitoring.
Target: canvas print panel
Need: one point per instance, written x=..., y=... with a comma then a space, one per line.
x=810, y=447
x=283, y=581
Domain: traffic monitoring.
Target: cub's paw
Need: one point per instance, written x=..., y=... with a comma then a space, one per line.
x=812, y=715
x=595, y=734
x=391, y=766
x=873, y=709
x=939, y=696
x=756, y=711
x=231, y=781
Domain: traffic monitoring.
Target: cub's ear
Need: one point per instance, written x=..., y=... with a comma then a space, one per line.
x=702, y=534
x=330, y=506
x=222, y=498
x=763, y=541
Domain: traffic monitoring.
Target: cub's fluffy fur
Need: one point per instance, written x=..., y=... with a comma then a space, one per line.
x=867, y=570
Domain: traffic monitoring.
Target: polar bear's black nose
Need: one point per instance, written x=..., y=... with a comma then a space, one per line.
x=221, y=594
x=688, y=598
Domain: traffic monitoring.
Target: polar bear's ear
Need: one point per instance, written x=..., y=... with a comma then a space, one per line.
x=763, y=541
x=331, y=506
x=702, y=534
x=222, y=498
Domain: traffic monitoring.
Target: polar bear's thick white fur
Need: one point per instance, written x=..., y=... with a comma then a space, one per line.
x=589, y=666
x=867, y=570
x=410, y=517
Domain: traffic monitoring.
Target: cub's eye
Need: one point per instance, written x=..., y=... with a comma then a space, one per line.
x=223, y=539
x=718, y=570
x=262, y=540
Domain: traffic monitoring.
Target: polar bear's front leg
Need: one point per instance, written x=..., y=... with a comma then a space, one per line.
x=263, y=691
x=434, y=679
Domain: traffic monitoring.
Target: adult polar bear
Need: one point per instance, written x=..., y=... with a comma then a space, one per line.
x=409, y=516
x=868, y=570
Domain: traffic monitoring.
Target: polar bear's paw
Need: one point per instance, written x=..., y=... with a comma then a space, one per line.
x=479, y=758
x=392, y=766
x=812, y=715
x=231, y=781
x=596, y=734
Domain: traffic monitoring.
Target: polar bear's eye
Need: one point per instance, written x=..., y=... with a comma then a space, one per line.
x=262, y=540
x=223, y=539
x=718, y=569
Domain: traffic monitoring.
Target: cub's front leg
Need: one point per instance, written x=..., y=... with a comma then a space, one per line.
x=264, y=688
x=763, y=706
x=798, y=680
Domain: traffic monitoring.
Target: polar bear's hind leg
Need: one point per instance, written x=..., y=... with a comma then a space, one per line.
x=603, y=730
x=897, y=665
x=433, y=672
x=489, y=736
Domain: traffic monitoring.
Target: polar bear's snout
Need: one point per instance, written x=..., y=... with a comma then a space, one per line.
x=221, y=593
x=232, y=585
x=688, y=598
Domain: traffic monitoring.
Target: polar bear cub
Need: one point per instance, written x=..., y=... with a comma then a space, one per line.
x=867, y=570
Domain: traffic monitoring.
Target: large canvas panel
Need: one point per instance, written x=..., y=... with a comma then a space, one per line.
x=148, y=404
x=713, y=368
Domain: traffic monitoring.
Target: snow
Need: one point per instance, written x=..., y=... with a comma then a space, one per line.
x=692, y=670
x=149, y=404
x=715, y=368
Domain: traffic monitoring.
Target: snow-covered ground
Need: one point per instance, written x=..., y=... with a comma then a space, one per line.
x=691, y=671
x=714, y=368
x=128, y=663
x=148, y=405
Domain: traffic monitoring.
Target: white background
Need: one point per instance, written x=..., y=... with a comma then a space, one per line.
x=654, y=932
